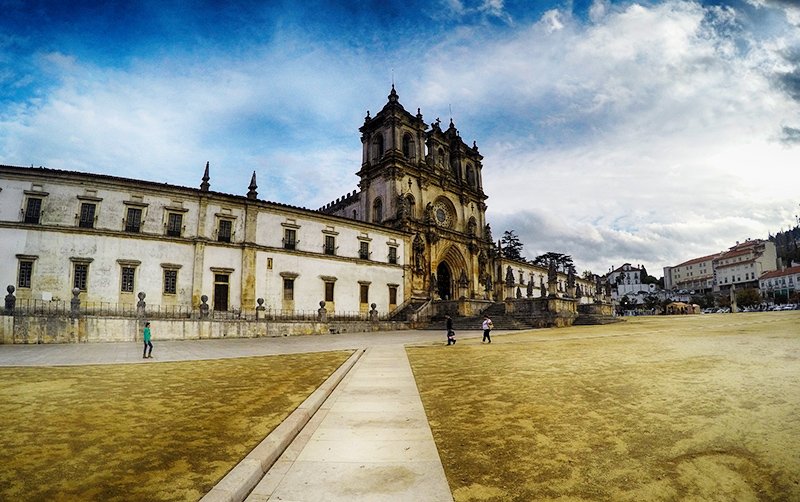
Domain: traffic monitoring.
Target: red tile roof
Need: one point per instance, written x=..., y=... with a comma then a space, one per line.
x=780, y=273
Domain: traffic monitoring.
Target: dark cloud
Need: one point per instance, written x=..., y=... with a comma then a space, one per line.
x=791, y=135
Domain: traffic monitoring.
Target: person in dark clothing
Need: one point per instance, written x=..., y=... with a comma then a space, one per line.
x=451, y=335
x=487, y=326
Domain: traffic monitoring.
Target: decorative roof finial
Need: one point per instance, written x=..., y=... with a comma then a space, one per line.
x=251, y=193
x=393, y=97
x=205, y=185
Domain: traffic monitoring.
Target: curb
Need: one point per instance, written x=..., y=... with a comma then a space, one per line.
x=241, y=480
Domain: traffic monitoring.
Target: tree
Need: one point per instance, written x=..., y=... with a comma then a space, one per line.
x=748, y=297
x=563, y=261
x=651, y=302
x=587, y=275
x=512, y=246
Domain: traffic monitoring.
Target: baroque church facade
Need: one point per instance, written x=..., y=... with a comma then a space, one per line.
x=414, y=231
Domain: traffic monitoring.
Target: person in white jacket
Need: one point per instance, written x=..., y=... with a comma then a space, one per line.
x=487, y=328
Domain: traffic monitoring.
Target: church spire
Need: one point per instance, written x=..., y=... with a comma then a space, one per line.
x=205, y=185
x=393, y=97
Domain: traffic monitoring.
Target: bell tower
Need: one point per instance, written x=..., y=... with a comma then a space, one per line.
x=426, y=181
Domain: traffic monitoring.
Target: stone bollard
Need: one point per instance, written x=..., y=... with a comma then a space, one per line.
x=322, y=312
x=141, y=306
x=11, y=300
x=203, y=307
x=260, y=309
x=373, y=314
x=75, y=303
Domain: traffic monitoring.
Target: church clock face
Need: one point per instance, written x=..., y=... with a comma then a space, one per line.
x=443, y=214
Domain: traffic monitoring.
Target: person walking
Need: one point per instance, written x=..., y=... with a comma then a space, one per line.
x=147, y=343
x=487, y=327
x=451, y=335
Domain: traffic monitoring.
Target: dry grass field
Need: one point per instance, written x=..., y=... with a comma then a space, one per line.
x=149, y=432
x=699, y=408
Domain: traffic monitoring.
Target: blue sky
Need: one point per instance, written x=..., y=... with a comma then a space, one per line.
x=649, y=132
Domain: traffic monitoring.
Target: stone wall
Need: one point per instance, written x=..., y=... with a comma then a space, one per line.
x=62, y=329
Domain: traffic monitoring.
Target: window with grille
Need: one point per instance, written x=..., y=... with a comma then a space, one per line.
x=288, y=289
x=289, y=238
x=33, y=210
x=24, y=274
x=80, y=276
x=224, y=231
x=392, y=254
x=363, y=250
x=330, y=245
x=133, y=222
x=126, y=282
x=87, y=215
x=170, y=281
x=174, y=224
x=392, y=295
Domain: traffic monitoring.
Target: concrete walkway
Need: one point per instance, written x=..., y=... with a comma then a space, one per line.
x=368, y=441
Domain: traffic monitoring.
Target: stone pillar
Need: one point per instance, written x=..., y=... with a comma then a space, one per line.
x=141, y=306
x=203, y=307
x=11, y=300
x=734, y=306
x=75, y=303
x=260, y=310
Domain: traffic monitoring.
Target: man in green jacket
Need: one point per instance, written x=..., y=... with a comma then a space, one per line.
x=147, y=342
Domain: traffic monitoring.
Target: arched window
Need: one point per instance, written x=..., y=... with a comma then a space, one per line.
x=408, y=146
x=378, y=147
x=410, y=205
x=377, y=211
x=471, y=176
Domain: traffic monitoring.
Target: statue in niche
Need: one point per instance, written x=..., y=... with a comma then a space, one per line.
x=402, y=207
x=418, y=249
x=481, y=266
x=429, y=218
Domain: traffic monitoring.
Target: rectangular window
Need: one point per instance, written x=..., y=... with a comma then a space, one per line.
x=174, y=224
x=363, y=250
x=392, y=295
x=224, y=231
x=126, y=283
x=392, y=254
x=80, y=275
x=330, y=245
x=33, y=210
x=133, y=222
x=25, y=273
x=87, y=215
x=329, y=291
x=364, y=293
x=289, y=238
x=288, y=289
x=170, y=281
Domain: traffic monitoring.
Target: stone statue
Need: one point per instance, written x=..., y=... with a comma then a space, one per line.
x=11, y=300
x=509, y=277
x=552, y=273
x=542, y=287
x=429, y=218
x=402, y=207
x=418, y=248
x=529, y=292
x=571, y=278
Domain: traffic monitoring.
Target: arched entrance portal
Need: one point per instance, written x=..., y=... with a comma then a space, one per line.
x=444, y=283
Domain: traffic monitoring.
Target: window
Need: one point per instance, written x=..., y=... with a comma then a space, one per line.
x=471, y=176
x=329, y=291
x=407, y=146
x=288, y=288
x=33, y=210
x=224, y=231
x=170, y=281
x=87, y=215
x=392, y=295
x=174, y=224
x=330, y=244
x=363, y=250
x=378, y=147
x=133, y=221
x=80, y=276
x=364, y=293
x=24, y=274
x=377, y=211
x=392, y=254
x=127, y=280
x=289, y=238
